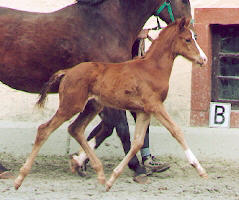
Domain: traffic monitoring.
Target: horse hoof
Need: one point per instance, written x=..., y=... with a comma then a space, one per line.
x=204, y=175
x=108, y=186
x=73, y=164
x=18, y=181
x=141, y=179
x=17, y=184
x=79, y=169
x=6, y=175
x=81, y=172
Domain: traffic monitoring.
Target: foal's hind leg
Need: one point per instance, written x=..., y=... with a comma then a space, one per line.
x=162, y=115
x=111, y=118
x=43, y=133
x=142, y=123
x=77, y=129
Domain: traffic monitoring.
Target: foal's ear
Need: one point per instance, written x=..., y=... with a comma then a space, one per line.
x=182, y=24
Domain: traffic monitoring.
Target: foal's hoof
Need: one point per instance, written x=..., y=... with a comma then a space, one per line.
x=16, y=186
x=141, y=179
x=204, y=175
x=17, y=183
x=81, y=170
x=6, y=175
x=108, y=186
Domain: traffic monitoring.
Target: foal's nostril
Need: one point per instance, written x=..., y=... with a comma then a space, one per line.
x=202, y=60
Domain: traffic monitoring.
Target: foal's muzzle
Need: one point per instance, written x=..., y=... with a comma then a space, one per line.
x=202, y=61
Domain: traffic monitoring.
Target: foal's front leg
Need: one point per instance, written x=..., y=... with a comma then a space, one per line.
x=162, y=115
x=142, y=122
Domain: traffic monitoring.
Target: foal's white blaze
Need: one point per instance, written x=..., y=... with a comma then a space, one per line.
x=202, y=54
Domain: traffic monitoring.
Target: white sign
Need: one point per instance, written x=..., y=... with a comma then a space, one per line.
x=219, y=114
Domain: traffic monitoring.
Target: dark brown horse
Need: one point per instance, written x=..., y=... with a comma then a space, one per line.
x=35, y=45
x=139, y=85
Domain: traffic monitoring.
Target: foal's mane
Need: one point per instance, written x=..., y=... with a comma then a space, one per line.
x=164, y=36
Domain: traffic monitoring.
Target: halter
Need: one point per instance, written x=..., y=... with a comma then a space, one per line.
x=166, y=4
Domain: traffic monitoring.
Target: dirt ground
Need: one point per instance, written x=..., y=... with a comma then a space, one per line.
x=50, y=178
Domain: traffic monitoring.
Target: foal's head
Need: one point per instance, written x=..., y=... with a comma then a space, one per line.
x=185, y=43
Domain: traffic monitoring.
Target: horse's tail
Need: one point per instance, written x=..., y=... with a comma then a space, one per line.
x=56, y=77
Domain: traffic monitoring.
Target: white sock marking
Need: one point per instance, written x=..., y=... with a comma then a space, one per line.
x=82, y=155
x=194, y=161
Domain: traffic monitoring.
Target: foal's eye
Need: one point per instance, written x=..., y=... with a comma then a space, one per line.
x=195, y=36
x=188, y=40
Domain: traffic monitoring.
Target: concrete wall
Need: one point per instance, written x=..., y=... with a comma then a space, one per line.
x=19, y=106
x=19, y=119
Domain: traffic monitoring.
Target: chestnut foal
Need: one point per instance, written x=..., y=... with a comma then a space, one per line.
x=139, y=85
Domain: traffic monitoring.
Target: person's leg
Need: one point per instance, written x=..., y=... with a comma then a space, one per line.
x=144, y=151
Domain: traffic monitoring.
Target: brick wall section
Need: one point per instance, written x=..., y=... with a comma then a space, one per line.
x=201, y=77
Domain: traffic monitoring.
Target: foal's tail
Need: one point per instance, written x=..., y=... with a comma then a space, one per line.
x=56, y=77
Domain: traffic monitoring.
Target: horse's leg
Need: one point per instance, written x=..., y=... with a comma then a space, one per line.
x=151, y=165
x=146, y=139
x=43, y=133
x=111, y=118
x=142, y=123
x=95, y=138
x=122, y=130
x=162, y=115
x=79, y=160
x=77, y=129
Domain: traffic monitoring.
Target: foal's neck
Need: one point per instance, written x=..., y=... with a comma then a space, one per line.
x=161, y=52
